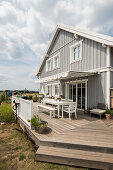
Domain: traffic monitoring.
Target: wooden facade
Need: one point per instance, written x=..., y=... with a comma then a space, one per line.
x=95, y=57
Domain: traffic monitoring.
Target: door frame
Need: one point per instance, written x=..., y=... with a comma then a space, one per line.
x=77, y=82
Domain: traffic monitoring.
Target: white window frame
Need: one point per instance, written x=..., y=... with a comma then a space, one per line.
x=49, y=94
x=47, y=69
x=54, y=57
x=53, y=89
x=72, y=52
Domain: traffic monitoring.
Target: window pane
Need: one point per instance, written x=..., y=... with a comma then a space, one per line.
x=75, y=53
x=78, y=51
x=49, y=90
x=56, y=89
x=79, y=85
x=56, y=62
x=70, y=91
x=79, y=98
x=49, y=65
x=83, y=98
x=83, y=85
x=74, y=92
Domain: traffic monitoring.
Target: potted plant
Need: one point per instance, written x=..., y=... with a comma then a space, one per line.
x=38, y=125
x=107, y=113
x=59, y=98
x=112, y=114
x=42, y=126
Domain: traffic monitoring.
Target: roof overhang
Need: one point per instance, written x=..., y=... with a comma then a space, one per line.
x=77, y=75
x=70, y=75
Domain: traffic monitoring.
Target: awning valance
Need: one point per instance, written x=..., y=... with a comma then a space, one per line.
x=77, y=75
x=67, y=75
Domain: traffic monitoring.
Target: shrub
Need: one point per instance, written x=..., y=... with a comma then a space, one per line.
x=107, y=111
x=30, y=97
x=4, y=98
x=35, y=99
x=6, y=113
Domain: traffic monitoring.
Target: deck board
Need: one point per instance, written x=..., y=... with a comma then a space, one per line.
x=84, y=128
x=86, y=141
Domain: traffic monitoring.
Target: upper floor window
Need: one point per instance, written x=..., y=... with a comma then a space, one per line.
x=76, y=52
x=56, y=61
x=48, y=65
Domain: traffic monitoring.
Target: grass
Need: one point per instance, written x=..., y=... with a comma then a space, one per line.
x=22, y=157
x=18, y=153
x=5, y=113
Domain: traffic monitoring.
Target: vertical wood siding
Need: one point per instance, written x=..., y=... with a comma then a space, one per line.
x=97, y=89
x=111, y=79
x=93, y=54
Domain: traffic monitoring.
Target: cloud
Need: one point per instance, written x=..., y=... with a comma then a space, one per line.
x=27, y=25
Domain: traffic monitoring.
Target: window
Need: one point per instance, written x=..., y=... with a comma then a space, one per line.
x=48, y=65
x=56, y=61
x=76, y=52
x=48, y=90
x=55, y=90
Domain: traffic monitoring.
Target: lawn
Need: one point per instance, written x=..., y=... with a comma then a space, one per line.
x=18, y=153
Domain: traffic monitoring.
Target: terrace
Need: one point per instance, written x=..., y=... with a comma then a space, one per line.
x=86, y=141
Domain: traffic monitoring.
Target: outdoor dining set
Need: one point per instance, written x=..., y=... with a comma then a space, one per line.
x=57, y=106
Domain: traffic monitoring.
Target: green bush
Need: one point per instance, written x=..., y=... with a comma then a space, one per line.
x=30, y=97
x=4, y=97
x=107, y=111
x=6, y=113
x=35, y=99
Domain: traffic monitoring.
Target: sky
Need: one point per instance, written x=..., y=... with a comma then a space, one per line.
x=26, y=27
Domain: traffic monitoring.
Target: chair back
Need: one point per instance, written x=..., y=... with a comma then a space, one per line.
x=101, y=106
x=73, y=105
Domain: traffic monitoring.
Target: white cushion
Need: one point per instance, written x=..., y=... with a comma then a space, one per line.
x=97, y=111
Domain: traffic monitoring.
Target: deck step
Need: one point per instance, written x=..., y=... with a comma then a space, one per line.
x=78, y=146
x=75, y=157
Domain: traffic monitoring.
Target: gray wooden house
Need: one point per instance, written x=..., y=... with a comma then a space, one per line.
x=78, y=65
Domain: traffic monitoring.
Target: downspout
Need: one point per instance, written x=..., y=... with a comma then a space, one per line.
x=108, y=77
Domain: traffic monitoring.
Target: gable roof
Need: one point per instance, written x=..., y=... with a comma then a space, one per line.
x=101, y=38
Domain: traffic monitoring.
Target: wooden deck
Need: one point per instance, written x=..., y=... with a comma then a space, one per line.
x=86, y=141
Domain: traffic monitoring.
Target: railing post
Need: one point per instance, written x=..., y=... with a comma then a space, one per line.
x=31, y=110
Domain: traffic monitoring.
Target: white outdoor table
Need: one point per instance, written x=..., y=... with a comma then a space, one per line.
x=56, y=103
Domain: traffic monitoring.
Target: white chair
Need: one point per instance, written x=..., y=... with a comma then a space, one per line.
x=70, y=109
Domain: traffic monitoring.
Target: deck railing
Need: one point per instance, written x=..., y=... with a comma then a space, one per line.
x=24, y=109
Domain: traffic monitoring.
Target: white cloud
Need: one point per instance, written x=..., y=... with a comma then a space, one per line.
x=26, y=26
